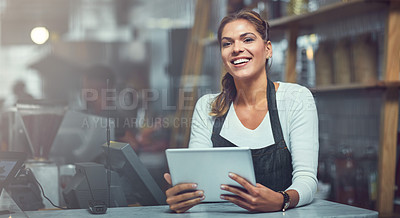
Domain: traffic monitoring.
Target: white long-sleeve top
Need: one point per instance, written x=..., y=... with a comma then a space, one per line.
x=299, y=122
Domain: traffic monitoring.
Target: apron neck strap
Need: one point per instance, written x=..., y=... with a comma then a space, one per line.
x=273, y=112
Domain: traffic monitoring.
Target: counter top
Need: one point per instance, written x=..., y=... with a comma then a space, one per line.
x=319, y=208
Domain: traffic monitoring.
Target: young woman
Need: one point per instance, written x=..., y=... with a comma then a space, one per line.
x=277, y=120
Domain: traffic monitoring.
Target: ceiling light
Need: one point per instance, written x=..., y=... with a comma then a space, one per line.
x=39, y=35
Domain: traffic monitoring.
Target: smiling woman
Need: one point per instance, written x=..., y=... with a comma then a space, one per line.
x=251, y=42
x=284, y=145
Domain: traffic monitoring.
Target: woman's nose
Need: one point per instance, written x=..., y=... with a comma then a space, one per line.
x=237, y=47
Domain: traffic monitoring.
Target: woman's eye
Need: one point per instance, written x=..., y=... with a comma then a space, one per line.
x=226, y=44
x=248, y=40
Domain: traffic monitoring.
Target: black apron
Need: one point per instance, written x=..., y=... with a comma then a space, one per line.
x=272, y=164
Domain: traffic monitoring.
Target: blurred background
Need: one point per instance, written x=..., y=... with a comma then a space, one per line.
x=160, y=56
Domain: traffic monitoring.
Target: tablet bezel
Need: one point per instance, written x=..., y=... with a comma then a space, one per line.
x=245, y=163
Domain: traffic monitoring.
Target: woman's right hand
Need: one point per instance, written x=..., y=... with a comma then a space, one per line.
x=183, y=196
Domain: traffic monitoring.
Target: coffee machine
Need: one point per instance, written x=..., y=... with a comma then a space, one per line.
x=33, y=126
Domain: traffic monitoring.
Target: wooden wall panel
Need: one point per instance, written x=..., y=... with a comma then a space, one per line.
x=290, y=71
x=390, y=114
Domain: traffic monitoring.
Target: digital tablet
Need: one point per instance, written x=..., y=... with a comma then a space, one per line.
x=209, y=168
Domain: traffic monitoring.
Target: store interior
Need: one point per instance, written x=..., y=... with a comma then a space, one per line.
x=70, y=70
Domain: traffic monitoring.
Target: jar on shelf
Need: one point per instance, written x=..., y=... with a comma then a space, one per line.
x=342, y=62
x=296, y=7
x=323, y=64
x=369, y=165
x=365, y=58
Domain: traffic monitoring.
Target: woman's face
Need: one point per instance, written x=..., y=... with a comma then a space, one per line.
x=243, y=50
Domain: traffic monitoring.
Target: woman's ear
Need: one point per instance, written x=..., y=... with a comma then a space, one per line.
x=268, y=49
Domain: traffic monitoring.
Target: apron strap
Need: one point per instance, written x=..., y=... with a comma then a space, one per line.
x=273, y=112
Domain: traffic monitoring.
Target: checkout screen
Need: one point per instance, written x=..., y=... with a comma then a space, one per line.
x=5, y=168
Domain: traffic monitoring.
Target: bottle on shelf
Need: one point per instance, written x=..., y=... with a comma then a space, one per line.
x=346, y=177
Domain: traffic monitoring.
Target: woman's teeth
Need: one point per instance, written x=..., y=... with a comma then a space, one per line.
x=240, y=61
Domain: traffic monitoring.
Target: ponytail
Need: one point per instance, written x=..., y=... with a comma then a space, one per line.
x=221, y=103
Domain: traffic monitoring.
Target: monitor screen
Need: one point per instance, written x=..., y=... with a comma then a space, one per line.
x=10, y=163
x=137, y=183
x=79, y=138
x=5, y=168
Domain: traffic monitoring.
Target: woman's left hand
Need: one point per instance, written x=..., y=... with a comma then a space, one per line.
x=252, y=198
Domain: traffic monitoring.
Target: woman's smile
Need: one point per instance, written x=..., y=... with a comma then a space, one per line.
x=240, y=61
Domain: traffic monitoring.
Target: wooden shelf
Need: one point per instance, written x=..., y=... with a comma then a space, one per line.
x=348, y=87
x=337, y=11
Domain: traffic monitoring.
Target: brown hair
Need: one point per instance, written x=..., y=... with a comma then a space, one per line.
x=221, y=103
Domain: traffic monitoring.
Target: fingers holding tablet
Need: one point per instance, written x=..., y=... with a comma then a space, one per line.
x=167, y=178
x=242, y=193
x=184, y=202
x=182, y=197
x=252, y=198
x=243, y=182
x=181, y=201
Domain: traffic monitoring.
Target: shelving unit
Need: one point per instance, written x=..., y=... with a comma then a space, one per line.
x=340, y=10
x=293, y=26
x=348, y=87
